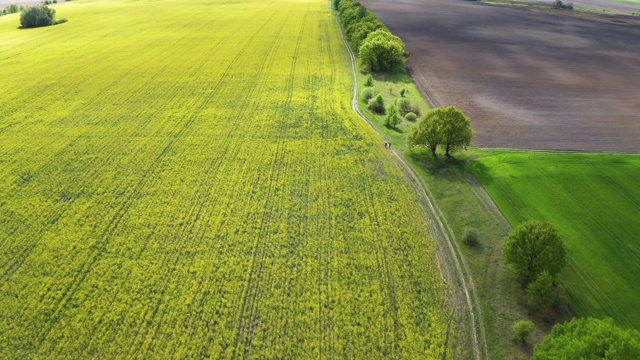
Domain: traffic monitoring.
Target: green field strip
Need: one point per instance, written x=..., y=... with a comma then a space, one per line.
x=595, y=203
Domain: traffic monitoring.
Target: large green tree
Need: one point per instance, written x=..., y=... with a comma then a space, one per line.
x=445, y=127
x=589, y=338
x=522, y=329
x=426, y=132
x=456, y=129
x=534, y=247
x=381, y=51
x=392, y=119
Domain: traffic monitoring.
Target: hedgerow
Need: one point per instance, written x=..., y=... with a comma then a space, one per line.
x=377, y=48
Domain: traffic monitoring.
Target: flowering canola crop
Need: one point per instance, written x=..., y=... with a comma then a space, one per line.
x=186, y=179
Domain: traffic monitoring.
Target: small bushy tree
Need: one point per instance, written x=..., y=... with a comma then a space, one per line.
x=381, y=51
x=521, y=330
x=445, y=127
x=402, y=91
x=392, y=119
x=376, y=104
x=410, y=116
x=367, y=94
x=404, y=105
x=368, y=81
x=540, y=292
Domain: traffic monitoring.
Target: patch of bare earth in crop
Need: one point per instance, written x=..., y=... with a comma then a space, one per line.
x=527, y=79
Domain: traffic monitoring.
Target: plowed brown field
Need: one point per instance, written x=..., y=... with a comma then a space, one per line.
x=526, y=79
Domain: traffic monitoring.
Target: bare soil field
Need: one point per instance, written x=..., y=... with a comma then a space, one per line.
x=598, y=10
x=526, y=79
x=5, y=3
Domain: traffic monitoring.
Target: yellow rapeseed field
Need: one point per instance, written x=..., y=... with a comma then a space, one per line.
x=186, y=179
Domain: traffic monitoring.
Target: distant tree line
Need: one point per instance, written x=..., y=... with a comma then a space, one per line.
x=12, y=9
x=377, y=48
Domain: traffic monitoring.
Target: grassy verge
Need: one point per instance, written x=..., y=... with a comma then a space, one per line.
x=389, y=86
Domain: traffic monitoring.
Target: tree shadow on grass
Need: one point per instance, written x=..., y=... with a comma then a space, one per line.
x=395, y=129
x=452, y=169
x=393, y=77
x=481, y=172
x=526, y=348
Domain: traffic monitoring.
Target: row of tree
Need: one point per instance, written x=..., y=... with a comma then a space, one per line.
x=12, y=9
x=377, y=48
x=34, y=16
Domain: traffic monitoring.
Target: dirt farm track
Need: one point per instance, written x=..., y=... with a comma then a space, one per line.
x=526, y=79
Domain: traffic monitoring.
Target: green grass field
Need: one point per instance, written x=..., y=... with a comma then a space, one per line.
x=594, y=200
x=186, y=179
